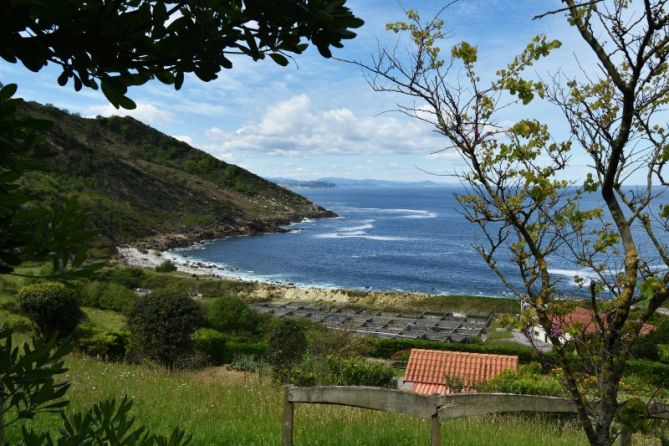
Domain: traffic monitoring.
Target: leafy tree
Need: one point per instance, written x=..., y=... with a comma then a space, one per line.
x=132, y=42
x=52, y=306
x=516, y=191
x=286, y=346
x=230, y=313
x=161, y=325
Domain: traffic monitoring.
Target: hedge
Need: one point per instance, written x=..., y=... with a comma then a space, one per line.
x=654, y=373
x=212, y=343
x=385, y=348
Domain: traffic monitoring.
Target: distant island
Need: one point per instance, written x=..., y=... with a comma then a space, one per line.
x=330, y=182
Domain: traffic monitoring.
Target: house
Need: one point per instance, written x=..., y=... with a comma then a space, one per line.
x=582, y=318
x=427, y=370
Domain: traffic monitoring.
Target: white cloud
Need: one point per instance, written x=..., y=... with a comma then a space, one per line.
x=296, y=127
x=185, y=138
x=145, y=112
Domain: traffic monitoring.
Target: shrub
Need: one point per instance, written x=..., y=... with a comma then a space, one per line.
x=646, y=347
x=166, y=267
x=654, y=373
x=386, y=348
x=358, y=372
x=90, y=296
x=52, y=306
x=118, y=298
x=161, y=325
x=235, y=349
x=287, y=344
x=248, y=363
x=100, y=343
x=526, y=381
x=212, y=343
x=127, y=277
x=16, y=323
x=230, y=313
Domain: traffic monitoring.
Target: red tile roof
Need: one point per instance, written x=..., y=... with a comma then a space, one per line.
x=427, y=369
x=585, y=318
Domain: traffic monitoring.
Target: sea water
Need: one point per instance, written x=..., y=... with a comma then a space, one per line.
x=403, y=239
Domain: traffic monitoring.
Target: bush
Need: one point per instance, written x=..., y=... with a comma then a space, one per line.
x=386, y=348
x=248, y=363
x=16, y=323
x=235, y=349
x=358, y=372
x=100, y=343
x=52, y=306
x=646, y=347
x=118, y=298
x=161, y=325
x=212, y=343
x=127, y=277
x=653, y=373
x=230, y=313
x=166, y=267
x=90, y=296
x=526, y=381
x=286, y=346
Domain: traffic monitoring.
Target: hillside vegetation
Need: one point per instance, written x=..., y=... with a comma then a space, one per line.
x=144, y=186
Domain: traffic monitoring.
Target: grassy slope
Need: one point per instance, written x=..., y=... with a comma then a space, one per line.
x=224, y=408
x=140, y=182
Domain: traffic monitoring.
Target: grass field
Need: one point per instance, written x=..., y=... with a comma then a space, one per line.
x=220, y=407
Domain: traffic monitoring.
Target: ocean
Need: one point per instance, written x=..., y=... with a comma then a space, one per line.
x=401, y=239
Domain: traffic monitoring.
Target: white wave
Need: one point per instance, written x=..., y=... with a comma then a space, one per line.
x=358, y=228
x=362, y=235
x=408, y=213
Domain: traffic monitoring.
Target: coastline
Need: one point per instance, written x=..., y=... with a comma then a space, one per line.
x=256, y=290
x=186, y=238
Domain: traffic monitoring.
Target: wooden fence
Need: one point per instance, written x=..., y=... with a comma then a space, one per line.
x=436, y=408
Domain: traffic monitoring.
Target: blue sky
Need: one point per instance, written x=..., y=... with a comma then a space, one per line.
x=318, y=117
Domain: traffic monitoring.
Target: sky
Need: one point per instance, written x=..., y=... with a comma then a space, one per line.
x=319, y=117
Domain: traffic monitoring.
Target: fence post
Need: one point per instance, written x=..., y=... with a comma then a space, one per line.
x=625, y=436
x=288, y=413
x=435, y=431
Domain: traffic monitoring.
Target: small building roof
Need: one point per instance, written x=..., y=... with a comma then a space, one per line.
x=586, y=319
x=427, y=369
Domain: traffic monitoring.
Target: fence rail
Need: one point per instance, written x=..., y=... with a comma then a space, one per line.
x=436, y=408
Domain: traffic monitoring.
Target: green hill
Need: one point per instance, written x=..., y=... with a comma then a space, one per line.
x=148, y=188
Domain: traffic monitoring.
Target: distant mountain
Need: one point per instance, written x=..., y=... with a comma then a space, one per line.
x=148, y=188
x=348, y=182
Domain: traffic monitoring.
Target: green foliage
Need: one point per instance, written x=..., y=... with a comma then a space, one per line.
x=101, y=343
x=212, y=343
x=526, y=381
x=164, y=40
x=116, y=297
x=385, y=348
x=248, y=363
x=359, y=372
x=90, y=296
x=653, y=373
x=27, y=379
x=230, y=314
x=161, y=325
x=648, y=346
x=52, y=306
x=59, y=234
x=286, y=345
x=16, y=323
x=127, y=277
x=235, y=349
x=106, y=423
x=167, y=266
